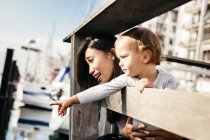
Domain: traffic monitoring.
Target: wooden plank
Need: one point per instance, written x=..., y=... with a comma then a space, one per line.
x=120, y=15
x=183, y=113
x=84, y=118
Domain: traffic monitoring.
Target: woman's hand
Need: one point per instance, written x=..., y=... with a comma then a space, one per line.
x=162, y=135
x=138, y=132
x=144, y=83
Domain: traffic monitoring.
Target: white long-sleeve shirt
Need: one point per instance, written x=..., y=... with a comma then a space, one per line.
x=164, y=80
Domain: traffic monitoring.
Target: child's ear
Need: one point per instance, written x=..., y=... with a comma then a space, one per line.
x=111, y=53
x=147, y=55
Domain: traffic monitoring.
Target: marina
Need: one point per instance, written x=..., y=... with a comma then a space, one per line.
x=45, y=80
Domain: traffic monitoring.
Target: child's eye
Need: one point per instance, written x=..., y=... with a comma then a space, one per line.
x=124, y=56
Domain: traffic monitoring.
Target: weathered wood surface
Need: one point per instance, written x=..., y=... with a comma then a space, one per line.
x=83, y=118
x=119, y=15
x=180, y=112
x=179, y=115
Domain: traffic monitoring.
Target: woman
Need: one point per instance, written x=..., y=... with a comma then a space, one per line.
x=97, y=64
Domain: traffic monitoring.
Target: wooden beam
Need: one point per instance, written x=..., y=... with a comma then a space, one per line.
x=120, y=15
x=84, y=118
x=180, y=112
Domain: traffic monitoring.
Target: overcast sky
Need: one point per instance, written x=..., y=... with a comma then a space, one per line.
x=23, y=20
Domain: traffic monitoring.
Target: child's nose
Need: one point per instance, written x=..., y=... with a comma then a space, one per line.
x=120, y=63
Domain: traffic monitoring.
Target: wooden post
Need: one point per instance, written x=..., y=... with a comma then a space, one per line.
x=83, y=118
x=4, y=93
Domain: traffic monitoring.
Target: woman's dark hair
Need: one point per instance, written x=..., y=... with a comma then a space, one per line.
x=86, y=80
x=105, y=44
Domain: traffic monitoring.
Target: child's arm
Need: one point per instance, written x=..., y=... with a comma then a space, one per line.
x=145, y=83
x=95, y=93
x=167, y=82
x=101, y=91
x=171, y=84
x=63, y=105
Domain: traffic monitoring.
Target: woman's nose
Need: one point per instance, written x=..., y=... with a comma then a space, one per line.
x=91, y=70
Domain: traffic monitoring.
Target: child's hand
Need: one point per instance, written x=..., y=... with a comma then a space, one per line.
x=62, y=106
x=145, y=83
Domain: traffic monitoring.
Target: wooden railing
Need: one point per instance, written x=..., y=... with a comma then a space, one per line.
x=181, y=112
x=184, y=113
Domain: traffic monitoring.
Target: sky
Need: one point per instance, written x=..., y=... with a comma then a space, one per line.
x=24, y=20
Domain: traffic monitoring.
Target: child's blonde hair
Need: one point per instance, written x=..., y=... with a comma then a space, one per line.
x=146, y=40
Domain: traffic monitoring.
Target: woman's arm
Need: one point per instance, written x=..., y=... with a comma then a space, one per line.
x=138, y=131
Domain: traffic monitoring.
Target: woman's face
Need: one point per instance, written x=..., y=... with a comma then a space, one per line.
x=101, y=64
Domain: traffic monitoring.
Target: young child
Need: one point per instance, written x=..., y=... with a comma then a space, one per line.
x=139, y=52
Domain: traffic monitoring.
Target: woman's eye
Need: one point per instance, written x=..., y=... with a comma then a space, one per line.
x=90, y=60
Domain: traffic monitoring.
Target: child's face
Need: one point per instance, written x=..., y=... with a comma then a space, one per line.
x=130, y=58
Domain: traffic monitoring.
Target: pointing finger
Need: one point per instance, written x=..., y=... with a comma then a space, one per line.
x=56, y=103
